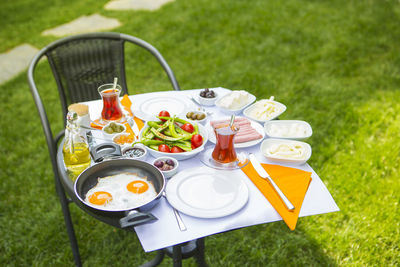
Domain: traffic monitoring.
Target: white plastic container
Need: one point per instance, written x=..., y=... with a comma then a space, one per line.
x=279, y=106
x=272, y=144
x=288, y=129
x=251, y=99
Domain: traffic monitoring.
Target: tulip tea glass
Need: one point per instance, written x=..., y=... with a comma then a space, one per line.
x=111, y=107
x=224, y=151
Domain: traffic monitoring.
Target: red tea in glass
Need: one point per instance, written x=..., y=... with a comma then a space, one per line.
x=224, y=151
x=111, y=107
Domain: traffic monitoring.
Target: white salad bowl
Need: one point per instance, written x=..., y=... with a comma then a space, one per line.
x=183, y=155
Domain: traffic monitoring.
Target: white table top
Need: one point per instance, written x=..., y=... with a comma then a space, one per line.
x=165, y=231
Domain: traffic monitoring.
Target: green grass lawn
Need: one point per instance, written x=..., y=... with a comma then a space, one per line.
x=335, y=64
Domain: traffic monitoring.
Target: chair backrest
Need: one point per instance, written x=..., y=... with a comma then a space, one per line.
x=81, y=63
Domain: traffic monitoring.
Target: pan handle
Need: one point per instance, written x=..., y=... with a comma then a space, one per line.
x=135, y=218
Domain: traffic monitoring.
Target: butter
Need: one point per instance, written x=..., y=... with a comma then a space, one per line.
x=235, y=100
x=287, y=151
x=288, y=130
x=265, y=109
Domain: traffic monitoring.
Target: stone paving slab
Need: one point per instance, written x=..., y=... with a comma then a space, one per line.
x=136, y=4
x=15, y=61
x=84, y=24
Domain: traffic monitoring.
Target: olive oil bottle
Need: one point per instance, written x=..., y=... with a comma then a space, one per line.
x=75, y=150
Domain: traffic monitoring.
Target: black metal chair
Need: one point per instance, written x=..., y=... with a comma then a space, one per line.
x=80, y=64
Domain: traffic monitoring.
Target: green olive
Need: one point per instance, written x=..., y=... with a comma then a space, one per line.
x=189, y=115
x=201, y=116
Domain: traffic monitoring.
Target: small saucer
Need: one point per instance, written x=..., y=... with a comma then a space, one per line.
x=102, y=122
x=206, y=158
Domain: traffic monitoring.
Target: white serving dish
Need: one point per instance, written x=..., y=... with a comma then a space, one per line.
x=183, y=155
x=111, y=136
x=258, y=127
x=170, y=173
x=247, y=111
x=285, y=125
x=252, y=98
x=267, y=143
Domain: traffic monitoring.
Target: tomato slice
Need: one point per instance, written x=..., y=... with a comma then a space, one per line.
x=164, y=148
x=176, y=149
x=164, y=113
x=187, y=127
x=197, y=140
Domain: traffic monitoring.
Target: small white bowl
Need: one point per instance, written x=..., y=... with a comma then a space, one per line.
x=205, y=101
x=137, y=146
x=267, y=143
x=285, y=127
x=247, y=111
x=124, y=144
x=111, y=136
x=203, y=121
x=252, y=98
x=169, y=173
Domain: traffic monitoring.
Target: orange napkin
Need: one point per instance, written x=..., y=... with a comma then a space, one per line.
x=126, y=103
x=293, y=183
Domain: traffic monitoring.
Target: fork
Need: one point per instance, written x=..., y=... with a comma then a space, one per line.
x=178, y=217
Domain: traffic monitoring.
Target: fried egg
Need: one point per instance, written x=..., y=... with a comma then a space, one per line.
x=121, y=191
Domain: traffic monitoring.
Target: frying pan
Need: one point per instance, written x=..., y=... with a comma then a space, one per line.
x=132, y=216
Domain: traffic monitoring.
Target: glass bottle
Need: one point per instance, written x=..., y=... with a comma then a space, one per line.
x=75, y=150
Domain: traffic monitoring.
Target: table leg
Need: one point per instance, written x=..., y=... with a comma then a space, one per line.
x=177, y=256
x=200, y=253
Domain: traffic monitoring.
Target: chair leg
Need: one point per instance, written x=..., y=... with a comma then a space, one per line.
x=68, y=222
x=156, y=261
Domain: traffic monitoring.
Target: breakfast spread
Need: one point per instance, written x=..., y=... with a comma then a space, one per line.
x=235, y=100
x=121, y=191
x=265, y=109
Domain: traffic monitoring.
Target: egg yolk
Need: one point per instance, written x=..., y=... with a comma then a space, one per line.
x=100, y=198
x=137, y=187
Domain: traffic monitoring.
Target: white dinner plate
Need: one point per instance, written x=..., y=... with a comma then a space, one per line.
x=150, y=108
x=207, y=193
x=258, y=127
